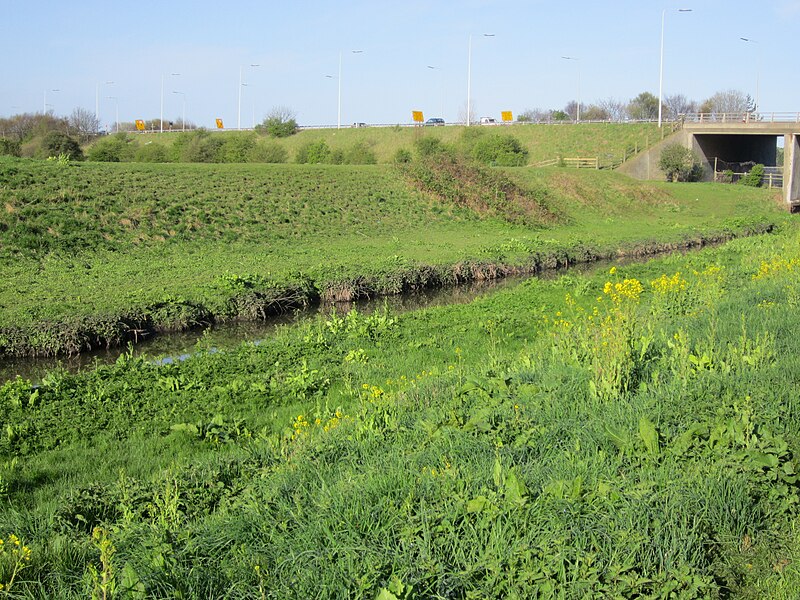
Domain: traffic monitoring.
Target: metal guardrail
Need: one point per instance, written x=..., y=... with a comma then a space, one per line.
x=741, y=117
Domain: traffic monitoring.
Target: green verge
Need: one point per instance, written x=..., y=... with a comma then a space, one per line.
x=96, y=254
x=629, y=434
x=609, y=142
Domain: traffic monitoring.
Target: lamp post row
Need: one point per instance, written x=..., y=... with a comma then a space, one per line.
x=469, y=84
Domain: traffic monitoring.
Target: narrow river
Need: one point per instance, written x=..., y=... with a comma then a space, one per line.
x=176, y=346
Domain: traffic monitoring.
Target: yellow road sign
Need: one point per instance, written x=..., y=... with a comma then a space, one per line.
x=219, y=124
x=417, y=116
x=139, y=125
x=507, y=116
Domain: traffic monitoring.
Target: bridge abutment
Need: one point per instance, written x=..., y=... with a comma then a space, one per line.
x=791, y=170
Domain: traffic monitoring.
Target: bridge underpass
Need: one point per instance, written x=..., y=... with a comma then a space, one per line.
x=734, y=138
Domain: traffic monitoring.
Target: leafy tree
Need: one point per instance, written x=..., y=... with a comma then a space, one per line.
x=644, y=107
x=56, y=143
x=279, y=123
x=679, y=163
x=9, y=147
x=559, y=115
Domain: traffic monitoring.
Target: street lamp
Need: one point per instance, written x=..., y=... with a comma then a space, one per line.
x=161, y=118
x=183, y=119
x=241, y=85
x=339, y=83
x=469, y=74
x=116, y=109
x=758, y=68
x=442, y=77
x=578, y=104
x=661, y=67
x=45, y=99
x=97, y=100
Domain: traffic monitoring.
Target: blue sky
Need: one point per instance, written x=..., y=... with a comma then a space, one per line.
x=74, y=47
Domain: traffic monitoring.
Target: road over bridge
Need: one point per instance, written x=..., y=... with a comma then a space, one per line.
x=735, y=138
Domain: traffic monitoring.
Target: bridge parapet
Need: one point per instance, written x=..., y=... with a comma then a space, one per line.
x=740, y=117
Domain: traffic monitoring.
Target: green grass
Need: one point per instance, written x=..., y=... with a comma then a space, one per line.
x=522, y=445
x=88, y=250
x=608, y=141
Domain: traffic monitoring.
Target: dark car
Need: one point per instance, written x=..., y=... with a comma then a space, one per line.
x=434, y=122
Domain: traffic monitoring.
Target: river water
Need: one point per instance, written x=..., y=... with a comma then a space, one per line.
x=176, y=346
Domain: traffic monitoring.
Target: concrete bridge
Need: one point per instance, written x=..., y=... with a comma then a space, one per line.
x=733, y=138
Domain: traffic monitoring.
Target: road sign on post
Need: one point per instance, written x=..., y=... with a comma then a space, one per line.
x=507, y=116
x=417, y=116
x=219, y=124
x=139, y=125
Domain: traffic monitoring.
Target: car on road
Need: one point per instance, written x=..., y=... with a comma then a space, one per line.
x=488, y=121
x=434, y=121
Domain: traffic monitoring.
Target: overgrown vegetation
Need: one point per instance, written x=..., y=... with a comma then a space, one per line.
x=680, y=163
x=629, y=434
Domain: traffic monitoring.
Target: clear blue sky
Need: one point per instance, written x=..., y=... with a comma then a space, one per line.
x=74, y=46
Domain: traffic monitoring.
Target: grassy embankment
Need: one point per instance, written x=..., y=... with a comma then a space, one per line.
x=93, y=254
x=609, y=142
x=630, y=435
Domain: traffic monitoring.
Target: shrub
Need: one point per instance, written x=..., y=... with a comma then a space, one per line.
x=202, y=147
x=56, y=143
x=754, y=177
x=114, y=148
x=236, y=148
x=313, y=153
x=151, y=153
x=279, y=123
x=359, y=154
x=336, y=157
x=268, y=153
x=680, y=163
x=402, y=156
x=502, y=150
x=9, y=147
x=428, y=146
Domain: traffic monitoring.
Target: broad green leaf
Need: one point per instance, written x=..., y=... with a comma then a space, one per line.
x=649, y=435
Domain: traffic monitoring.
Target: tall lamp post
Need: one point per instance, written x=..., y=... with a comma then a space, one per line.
x=758, y=68
x=442, y=78
x=469, y=75
x=241, y=85
x=116, y=111
x=578, y=99
x=161, y=118
x=183, y=118
x=339, y=93
x=661, y=67
x=45, y=100
x=97, y=100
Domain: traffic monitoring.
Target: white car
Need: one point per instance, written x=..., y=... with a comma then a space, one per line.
x=488, y=121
